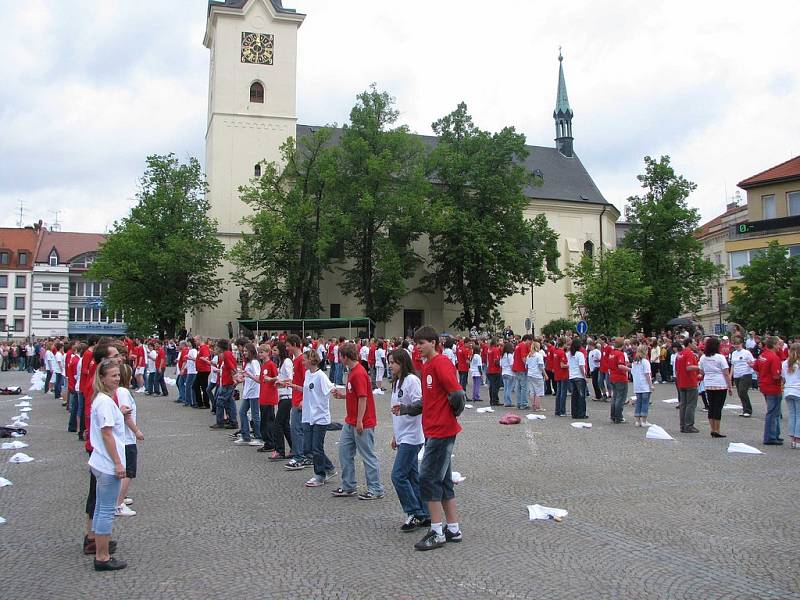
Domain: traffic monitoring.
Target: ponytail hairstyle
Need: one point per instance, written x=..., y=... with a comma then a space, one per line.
x=125, y=375
x=105, y=367
x=250, y=349
x=794, y=357
x=402, y=358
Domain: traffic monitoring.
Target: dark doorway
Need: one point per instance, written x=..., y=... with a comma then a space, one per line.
x=412, y=320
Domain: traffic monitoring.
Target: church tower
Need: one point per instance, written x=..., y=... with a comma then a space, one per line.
x=252, y=110
x=563, y=113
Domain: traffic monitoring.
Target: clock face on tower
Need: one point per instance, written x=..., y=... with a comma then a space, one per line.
x=257, y=48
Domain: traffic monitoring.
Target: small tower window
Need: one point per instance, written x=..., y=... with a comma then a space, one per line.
x=53, y=258
x=257, y=170
x=588, y=249
x=257, y=92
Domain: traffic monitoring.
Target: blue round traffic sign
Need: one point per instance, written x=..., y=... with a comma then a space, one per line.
x=582, y=327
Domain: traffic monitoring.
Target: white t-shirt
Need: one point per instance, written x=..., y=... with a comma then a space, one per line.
x=713, y=368
x=640, y=369
x=575, y=362
x=336, y=353
x=106, y=414
x=286, y=372
x=740, y=361
x=316, y=398
x=750, y=343
x=58, y=363
x=151, y=360
x=594, y=359
x=191, y=364
x=448, y=352
x=364, y=353
x=507, y=364
x=792, y=385
x=212, y=377
x=475, y=365
x=407, y=430
x=125, y=399
x=250, y=388
x=535, y=365
x=380, y=357
x=78, y=374
x=48, y=360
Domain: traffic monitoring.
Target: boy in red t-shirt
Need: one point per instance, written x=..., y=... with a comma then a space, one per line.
x=687, y=374
x=299, y=460
x=493, y=371
x=618, y=374
x=228, y=378
x=358, y=431
x=442, y=401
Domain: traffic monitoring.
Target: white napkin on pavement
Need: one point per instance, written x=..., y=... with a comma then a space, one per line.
x=533, y=417
x=4, y=482
x=20, y=457
x=23, y=403
x=25, y=398
x=581, y=425
x=484, y=409
x=743, y=448
x=655, y=432
x=169, y=381
x=25, y=409
x=670, y=401
x=2, y=520
x=537, y=511
x=732, y=407
x=468, y=406
x=457, y=477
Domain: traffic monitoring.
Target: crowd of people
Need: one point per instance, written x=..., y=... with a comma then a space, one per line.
x=284, y=385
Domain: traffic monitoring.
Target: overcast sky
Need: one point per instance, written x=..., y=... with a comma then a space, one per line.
x=90, y=88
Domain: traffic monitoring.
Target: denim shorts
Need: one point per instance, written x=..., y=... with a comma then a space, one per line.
x=435, y=476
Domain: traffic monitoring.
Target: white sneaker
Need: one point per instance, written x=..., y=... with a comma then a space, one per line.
x=128, y=501
x=124, y=511
x=242, y=442
x=255, y=442
x=139, y=391
x=646, y=424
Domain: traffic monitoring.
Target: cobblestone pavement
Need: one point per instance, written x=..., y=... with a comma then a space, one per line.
x=647, y=519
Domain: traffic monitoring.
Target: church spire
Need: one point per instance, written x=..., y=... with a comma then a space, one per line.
x=563, y=113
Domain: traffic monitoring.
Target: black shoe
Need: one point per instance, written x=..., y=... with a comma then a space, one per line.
x=112, y=564
x=773, y=443
x=413, y=523
x=453, y=537
x=431, y=541
x=690, y=430
x=714, y=434
x=231, y=426
x=216, y=426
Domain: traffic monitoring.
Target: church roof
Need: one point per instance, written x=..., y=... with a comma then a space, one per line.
x=563, y=178
x=786, y=171
x=276, y=4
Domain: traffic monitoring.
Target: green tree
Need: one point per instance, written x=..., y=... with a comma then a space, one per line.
x=482, y=248
x=161, y=259
x=380, y=191
x=661, y=232
x=612, y=289
x=556, y=326
x=766, y=296
x=282, y=260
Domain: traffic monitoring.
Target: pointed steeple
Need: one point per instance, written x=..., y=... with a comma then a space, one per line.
x=563, y=113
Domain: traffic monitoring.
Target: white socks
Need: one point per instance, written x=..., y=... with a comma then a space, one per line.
x=453, y=527
x=437, y=528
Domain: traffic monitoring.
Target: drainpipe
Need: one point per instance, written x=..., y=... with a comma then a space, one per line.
x=605, y=206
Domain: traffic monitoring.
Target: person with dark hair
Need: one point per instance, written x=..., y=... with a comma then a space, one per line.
x=358, y=431
x=576, y=362
x=742, y=362
x=560, y=376
x=250, y=393
x=618, y=374
x=768, y=367
x=442, y=401
x=507, y=371
x=714, y=370
x=407, y=440
x=520, y=371
x=299, y=461
x=226, y=405
x=493, y=371
x=282, y=428
x=686, y=380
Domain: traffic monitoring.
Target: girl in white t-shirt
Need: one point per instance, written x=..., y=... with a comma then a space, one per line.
x=642, y=374
x=250, y=390
x=790, y=371
x=534, y=363
x=132, y=433
x=506, y=368
x=380, y=364
x=475, y=373
x=316, y=413
x=407, y=440
x=715, y=371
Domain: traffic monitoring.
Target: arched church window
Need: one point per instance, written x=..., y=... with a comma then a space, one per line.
x=257, y=92
x=257, y=170
x=588, y=249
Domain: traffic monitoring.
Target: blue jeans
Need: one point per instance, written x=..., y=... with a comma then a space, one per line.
x=75, y=410
x=578, y=400
x=188, y=389
x=105, y=503
x=226, y=405
x=21, y=364
x=339, y=376
x=59, y=381
x=522, y=388
x=179, y=384
x=405, y=479
x=561, y=396
x=793, y=427
x=149, y=381
x=322, y=464
x=349, y=443
x=642, y=404
x=618, y=402
x=255, y=416
x=296, y=430
x=508, y=390
x=772, y=420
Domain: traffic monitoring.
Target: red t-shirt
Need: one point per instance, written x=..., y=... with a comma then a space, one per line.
x=615, y=359
x=298, y=378
x=768, y=367
x=485, y=353
x=139, y=354
x=686, y=380
x=438, y=380
x=87, y=379
x=371, y=354
x=416, y=358
x=227, y=368
x=182, y=358
x=203, y=352
x=560, y=373
x=359, y=386
x=520, y=354
x=604, y=358
x=161, y=359
x=493, y=367
x=68, y=374
x=267, y=390
x=463, y=356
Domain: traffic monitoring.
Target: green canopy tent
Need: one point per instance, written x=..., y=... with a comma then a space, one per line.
x=259, y=325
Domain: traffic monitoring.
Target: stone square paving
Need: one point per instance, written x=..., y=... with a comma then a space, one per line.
x=647, y=519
